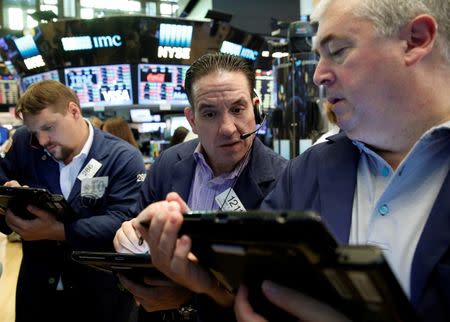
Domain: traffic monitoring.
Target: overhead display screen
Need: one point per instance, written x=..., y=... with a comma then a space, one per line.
x=162, y=84
x=28, y=80
x=264, y=87
x=107, y=85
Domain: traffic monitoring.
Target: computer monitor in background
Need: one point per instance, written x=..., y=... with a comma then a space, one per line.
x=160, y=84
x=107, y=85
x=28, y=80
x=175, y=121
x=264, y=87
x=140, y=115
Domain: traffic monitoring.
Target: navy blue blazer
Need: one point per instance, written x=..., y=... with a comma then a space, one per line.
x=175, y=168
x=324, y=179
x=94, y=228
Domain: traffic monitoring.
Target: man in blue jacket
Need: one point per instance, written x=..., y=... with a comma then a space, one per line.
x=385, y=181
x=226, y=163
x=100, y=176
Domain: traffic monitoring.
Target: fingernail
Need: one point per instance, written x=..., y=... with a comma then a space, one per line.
x=270, y=287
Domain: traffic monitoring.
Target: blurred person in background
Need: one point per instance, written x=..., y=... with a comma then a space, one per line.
x=333, y=128
x=117, y=126
x=96, y=122
x=178, y=135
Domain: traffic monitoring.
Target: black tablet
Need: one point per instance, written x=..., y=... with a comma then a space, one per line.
x=133, y=266
x=18, y=198
x=297, y=250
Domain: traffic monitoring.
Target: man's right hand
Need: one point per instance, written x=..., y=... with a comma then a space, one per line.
x=172, y=255
x=128, y=240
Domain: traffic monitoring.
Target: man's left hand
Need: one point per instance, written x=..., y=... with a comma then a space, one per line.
x=44, y=226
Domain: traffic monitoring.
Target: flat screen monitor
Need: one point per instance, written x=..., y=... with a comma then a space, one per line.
x=176, y=121
x=151, y=127
x=9, y=92
x=264, y=87
x=107, y=85
x=140, y=115
x=28, y=80
x=26, y=46
x=162, y=85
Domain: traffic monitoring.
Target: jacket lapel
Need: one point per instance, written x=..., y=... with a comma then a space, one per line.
x=433, y=243
x=337, y=194
x=97, y=152
x=183, y=172
x=257, y=171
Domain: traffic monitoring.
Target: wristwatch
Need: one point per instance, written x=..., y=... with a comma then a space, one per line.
x=185, y=313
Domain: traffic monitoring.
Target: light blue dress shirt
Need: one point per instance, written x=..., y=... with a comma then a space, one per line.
x=390, y=208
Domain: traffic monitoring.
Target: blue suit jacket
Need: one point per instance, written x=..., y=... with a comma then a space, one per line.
x=175, y=168
x=94, y=228
x=324, y=178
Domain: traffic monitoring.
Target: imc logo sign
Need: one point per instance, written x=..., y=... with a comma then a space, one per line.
x=91, y=42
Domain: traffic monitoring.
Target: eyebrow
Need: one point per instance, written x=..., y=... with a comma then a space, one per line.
x=239, y=100
x=324, y=41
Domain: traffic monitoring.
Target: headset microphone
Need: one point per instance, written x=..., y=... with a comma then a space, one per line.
x=246, y=135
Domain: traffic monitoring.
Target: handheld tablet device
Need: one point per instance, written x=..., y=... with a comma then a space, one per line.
x=18, y=198
x=297, y=250
x=133, y=266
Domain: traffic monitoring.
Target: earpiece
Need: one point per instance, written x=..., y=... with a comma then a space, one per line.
x=259, y=114
x=257, y=109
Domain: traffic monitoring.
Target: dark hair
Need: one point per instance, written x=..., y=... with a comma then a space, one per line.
x=178, y=135
x=44, y=94
x=215, y=62
x=117, y=126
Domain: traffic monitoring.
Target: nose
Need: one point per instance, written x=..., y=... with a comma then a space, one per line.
x=323, y=74
x=227, y=126
x=42, y=138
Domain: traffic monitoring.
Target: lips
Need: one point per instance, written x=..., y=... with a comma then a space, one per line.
x=50, y=147
x=334, y=100
x=229, y=144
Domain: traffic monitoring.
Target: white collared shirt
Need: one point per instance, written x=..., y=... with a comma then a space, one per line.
x=68, y=173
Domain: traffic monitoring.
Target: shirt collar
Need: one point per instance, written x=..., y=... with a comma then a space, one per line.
x=435, y=132
x=87, y=145
x=201, y=161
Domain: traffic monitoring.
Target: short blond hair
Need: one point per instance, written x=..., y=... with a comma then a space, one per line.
x=44, y=94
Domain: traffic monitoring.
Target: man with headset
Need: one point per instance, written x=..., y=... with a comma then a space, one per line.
x=225, y=163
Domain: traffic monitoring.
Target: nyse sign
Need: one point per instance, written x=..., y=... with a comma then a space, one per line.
x=174, y=52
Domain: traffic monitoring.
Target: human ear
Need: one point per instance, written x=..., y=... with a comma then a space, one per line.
x=420, y=36
x=190, y=116
x=74, y=109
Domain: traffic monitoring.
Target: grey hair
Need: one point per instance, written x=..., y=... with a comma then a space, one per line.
x=389, y=16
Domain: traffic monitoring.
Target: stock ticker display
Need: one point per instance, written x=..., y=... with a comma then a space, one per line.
x=108, y=85
x=264, y=87
x=28, y=80
x=162, y=84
